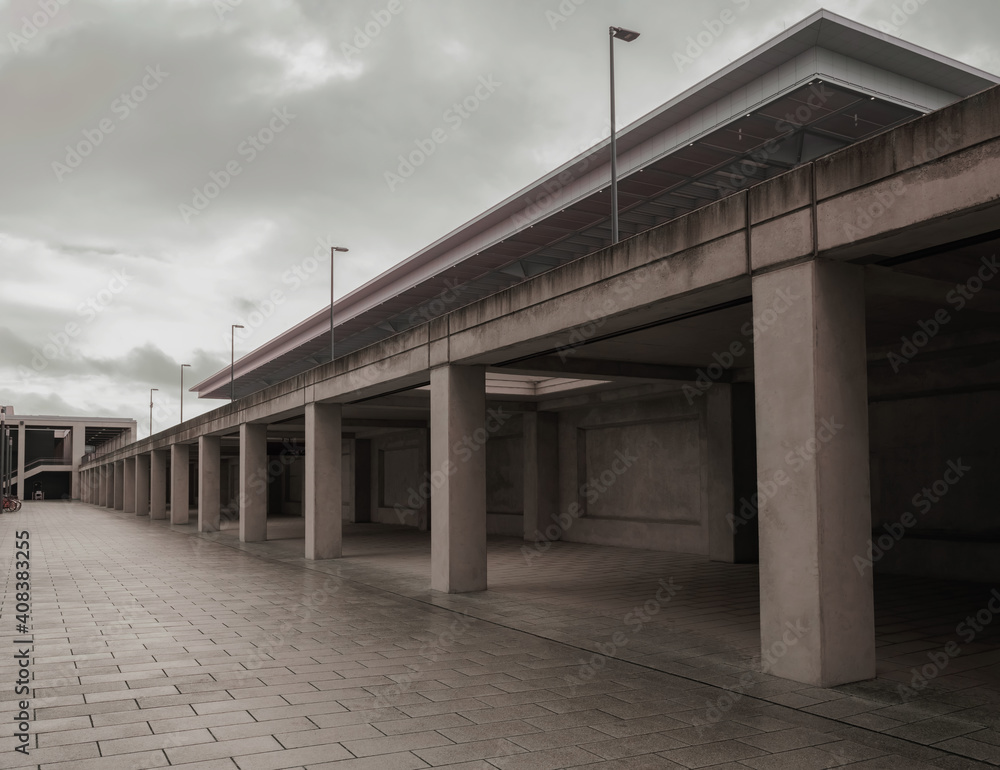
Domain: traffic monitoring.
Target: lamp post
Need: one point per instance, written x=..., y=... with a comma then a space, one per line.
x=232, y=362
x=151, y=410
x=182, y=390
x=10, y=466
x=333, y=250
x=3, y=449
x=628, y=36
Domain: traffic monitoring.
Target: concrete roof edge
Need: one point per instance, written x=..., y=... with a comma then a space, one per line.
x=808, y=32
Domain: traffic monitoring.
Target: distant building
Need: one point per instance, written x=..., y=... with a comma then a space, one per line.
x=45, y=451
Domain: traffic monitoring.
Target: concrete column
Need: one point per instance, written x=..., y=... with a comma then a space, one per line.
x=158, y=484
x=22, y=485
x=209, y=492
x=119, y=485
x=541, y=472
x=253, y=482
x=100, y=486
x=812, y=473
x=78, y=442
x=142, y=485
x=109, y=492
x=458, y=459
x=719, y=438
x=363, y=481
x=129, y=497
x=324, y=527
x=180, y=457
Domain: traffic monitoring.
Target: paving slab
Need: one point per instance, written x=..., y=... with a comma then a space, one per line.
x=153, y=646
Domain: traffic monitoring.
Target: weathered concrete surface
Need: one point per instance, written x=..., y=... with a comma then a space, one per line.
x=253, y=482
x=719, y=430
x=129, y=485
x=119, y=494
x=458, y=473
x=209, y=480
x=935, y=168
x=323, y=482
x=817, y=616
x=158, y=484
x=541, y=472
x=142, y=485
x=102, y=484
x=180, y=457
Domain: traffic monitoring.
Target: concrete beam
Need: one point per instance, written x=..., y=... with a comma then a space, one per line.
x=886, y=282
x=576, y=366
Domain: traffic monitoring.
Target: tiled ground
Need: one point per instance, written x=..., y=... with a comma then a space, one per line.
x=155, y=647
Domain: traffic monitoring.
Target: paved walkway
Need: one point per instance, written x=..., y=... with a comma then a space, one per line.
x=156, y=647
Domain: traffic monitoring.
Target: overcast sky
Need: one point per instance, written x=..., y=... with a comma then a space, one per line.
x=169, y=166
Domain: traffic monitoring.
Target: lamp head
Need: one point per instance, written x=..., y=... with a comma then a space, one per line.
x=621, y=33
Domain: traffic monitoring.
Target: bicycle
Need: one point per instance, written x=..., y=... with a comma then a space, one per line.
x=11, y=504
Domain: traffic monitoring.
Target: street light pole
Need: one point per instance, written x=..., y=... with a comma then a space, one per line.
x=182, y=390
x=333, y=250
x=151, y=410
x=3, y=449
x=232, y=362
x=628, y=36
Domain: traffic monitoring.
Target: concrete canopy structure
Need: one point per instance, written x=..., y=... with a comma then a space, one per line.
x=796, y=337
x=47, y=450
x=821, y=85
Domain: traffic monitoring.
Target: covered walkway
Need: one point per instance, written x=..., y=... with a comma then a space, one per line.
x=156, y=645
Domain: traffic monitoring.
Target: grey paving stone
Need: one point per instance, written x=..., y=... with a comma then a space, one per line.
x=193, y=652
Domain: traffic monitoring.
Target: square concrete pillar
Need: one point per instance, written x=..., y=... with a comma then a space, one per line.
x=109, y=489
x=129, y=480
x=324, y=485
x=158, y=484
x=363, y=481
x=120, y=485
x=180, y=457
x=458, y=475
x=817, y=616
x=142, y=485
x=541, y=473
x=253, y=483
x=209, y=492
x=719, y=434
x=78, y=447
x=102, y=481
